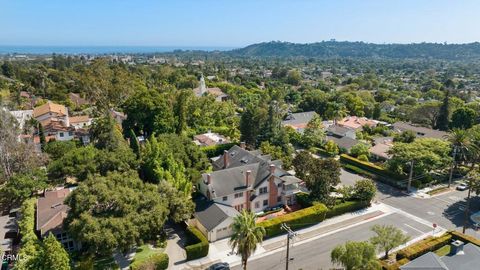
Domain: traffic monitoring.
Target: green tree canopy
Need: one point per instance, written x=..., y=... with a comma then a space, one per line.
x=115, y=211
x=427, y=153
x=463, y=118
x=355, y=256
x=387, y=237
x=314, y=133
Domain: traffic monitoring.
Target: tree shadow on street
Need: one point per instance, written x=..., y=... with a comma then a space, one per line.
x=455, y=212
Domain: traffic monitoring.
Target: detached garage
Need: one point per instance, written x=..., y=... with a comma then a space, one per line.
x=214, y=220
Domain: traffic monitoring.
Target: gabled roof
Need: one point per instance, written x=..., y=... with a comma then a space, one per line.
x=421, y=132
x=343, y=142
x=429, y=261
x=238, y=156
x=79, y=119
x=49, y=107
x=211, y=214
x=356, y=122
x=298, y=120
x=51, y=211
x=233, y=179
x=339, y=130
x=470, y=259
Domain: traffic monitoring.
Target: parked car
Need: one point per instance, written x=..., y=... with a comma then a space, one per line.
x=462, y=187
x=219, y=266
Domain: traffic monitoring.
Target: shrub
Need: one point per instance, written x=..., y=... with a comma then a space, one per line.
x=304, y=199
x=424, y=246
x=299, y=219
x=157, y=262
x=216, y=150
x=363, y=158
x=197, y=244
x=364, y=190
x=345, y=207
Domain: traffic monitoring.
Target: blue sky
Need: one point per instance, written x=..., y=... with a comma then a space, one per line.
x=234, y=23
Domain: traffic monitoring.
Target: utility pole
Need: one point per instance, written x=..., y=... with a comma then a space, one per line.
x=290, y=234
x=453, y=165
x=410, y=175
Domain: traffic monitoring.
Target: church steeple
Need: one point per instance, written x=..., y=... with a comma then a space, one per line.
x=203, y=87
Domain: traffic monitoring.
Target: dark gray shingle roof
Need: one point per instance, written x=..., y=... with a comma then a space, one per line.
x=211, y=215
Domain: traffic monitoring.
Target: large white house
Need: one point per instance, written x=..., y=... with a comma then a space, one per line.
x=243, y=180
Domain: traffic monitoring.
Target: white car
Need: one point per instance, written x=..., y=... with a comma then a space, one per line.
x=462, y=187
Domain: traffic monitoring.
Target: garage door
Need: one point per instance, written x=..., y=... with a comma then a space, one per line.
x=223, y=233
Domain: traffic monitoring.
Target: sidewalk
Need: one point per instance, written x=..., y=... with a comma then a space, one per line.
x=220, y=251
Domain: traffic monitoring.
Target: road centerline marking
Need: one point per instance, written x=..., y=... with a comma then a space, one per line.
x=413, y=228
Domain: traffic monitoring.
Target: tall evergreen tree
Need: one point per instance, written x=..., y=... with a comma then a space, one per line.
x=54, y=255
x=134, y=142
x=444, y=114
x=41, y=134
x=180, y=112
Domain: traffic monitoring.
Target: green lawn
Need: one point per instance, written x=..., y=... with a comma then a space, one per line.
x=144, y=252
x=443, y=250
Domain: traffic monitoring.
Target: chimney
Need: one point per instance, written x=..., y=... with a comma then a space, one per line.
x=243, y=145
x=456, y=248
x=209, y=179
x=247, y=193
x=272, y=169
x=225, y=159
x=247, y=178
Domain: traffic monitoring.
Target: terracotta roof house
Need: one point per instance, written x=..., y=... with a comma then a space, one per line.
x=420, y=132
x=50, y=109
x=204, y=90
x=298, y=121
x=51, y=212
x=357, y=123
x=81, y=121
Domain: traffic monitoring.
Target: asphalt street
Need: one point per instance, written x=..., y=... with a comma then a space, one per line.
x=445, y=210
x=315, y=254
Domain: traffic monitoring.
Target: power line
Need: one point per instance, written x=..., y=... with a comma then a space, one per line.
x=290, y=235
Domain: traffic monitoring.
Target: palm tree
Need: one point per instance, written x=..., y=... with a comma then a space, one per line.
x=246, y=235
x=464, y=150
x=337, y=111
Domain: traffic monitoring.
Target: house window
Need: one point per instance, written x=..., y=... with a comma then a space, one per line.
x=279, y=185
x=265, y=202
x=219, y=230
x=225, y=198
x=70, y=133
x=238, y=195
x=279, y=199
x=257, y=204
x=263, y=190
x=61, y=134
x=238, y=207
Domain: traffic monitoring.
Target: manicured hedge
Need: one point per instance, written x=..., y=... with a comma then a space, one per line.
x=346, y=207
x=157, y=262
x=371, y=171
x=424, y=246
x=465, y=238
x=296, y=220
x=197, y=244
x=216, y=150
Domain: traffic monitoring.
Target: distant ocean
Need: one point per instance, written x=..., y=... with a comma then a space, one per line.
x=99, y=49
